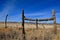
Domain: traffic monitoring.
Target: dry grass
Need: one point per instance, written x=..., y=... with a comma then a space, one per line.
x=31, y=34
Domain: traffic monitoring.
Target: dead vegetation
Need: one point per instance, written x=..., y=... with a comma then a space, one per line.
x=31, y=34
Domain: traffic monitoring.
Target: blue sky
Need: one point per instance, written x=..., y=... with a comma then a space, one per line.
x=33, y=9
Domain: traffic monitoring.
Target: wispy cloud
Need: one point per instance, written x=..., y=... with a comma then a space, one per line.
x=9, y=5
x=43, y=14
x=37, y=14
x=15, y=12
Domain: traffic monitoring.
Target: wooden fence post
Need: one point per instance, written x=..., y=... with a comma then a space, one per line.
x=23, y=29
x=6, y=21
x=54, y=17
x=36, y=23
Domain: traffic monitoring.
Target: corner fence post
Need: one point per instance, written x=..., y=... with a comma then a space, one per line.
x=6, y=21
x=54, y=18
x=23, y=29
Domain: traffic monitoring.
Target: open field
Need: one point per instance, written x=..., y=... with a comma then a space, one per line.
x=31, y=34
x=27, y=25
x=14, y=33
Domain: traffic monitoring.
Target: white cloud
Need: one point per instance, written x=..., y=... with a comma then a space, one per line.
x=37, y=14
x=9, y=5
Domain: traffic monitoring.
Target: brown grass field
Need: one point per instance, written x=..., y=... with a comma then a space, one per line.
x=31, y=34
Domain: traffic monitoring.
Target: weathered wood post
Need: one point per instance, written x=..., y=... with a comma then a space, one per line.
x=23, y=29
x=54, y=17
x=43, y=31
x=6, y=21
x=36, y=23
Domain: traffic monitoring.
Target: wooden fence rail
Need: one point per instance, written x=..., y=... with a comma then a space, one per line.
x=48, y=19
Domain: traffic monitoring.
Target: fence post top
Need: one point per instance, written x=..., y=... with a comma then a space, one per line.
x=7, y=15
x=36, y=19
x=53, y=10
x=22, y=8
